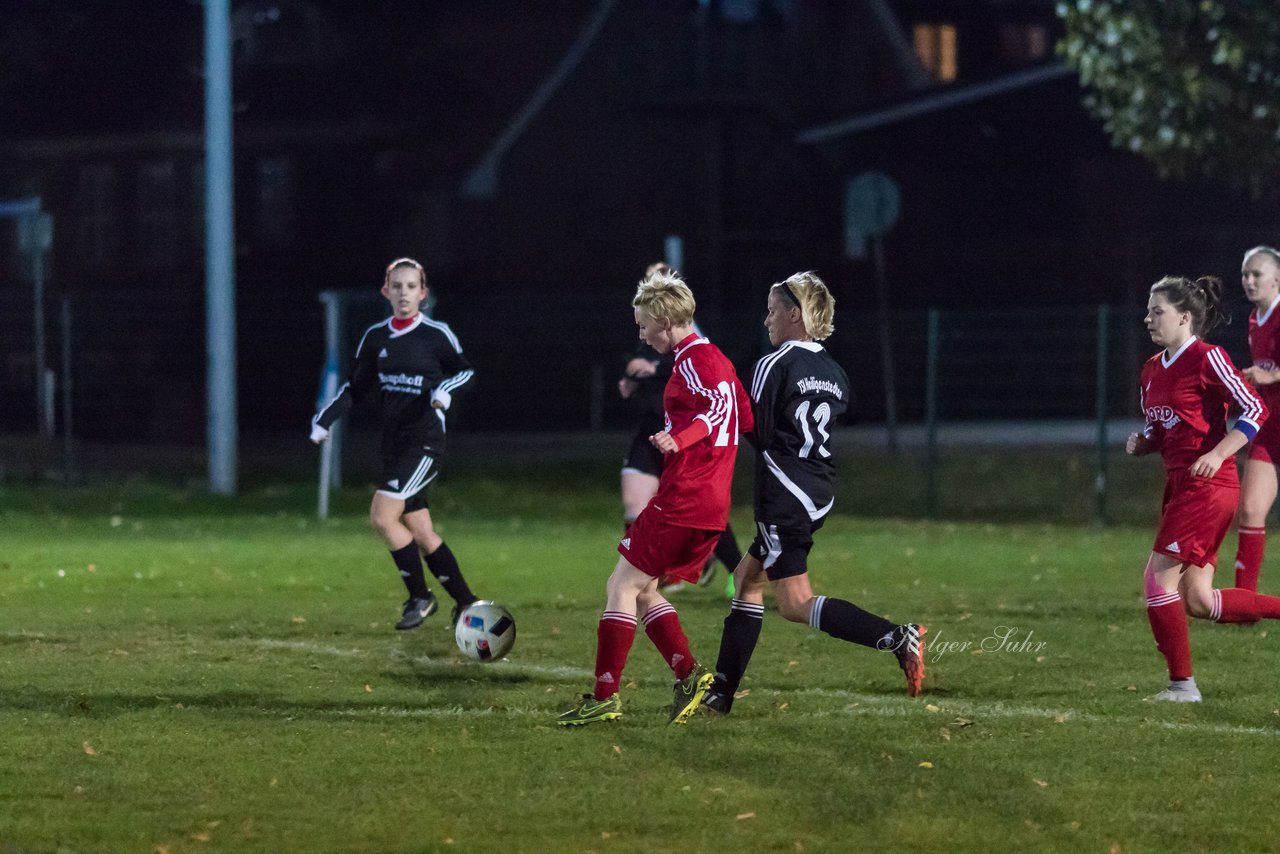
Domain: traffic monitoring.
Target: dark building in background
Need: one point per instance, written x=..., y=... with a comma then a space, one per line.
x=735, y=124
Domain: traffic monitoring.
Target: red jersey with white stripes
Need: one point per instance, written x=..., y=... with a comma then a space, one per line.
x=705, y=408
x=1264, y=348
x=1186, y=400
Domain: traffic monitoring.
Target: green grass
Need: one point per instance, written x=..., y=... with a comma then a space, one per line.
x=179, y=673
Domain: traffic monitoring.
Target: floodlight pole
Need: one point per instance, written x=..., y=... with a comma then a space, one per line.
x=220, y=283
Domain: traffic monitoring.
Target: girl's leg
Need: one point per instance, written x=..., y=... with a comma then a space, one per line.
x=1257, y=494
x=1168, y=618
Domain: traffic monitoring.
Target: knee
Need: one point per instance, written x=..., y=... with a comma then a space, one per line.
x=794, y=610
x=1197, y=603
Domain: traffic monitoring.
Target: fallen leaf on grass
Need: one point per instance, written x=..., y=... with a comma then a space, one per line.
x=119, y=652
x=792, y=663
x=368, y=689
x=925, y=764
x=740, y=816
x=946, y=734
x=200, y=837
x=604, y=834
x=88, y=748
x=1041, y=783
x=738, y=695
x=1060, y=718
x=962, y=722
x=617, y=750
x=930, y=707
x=297, y=619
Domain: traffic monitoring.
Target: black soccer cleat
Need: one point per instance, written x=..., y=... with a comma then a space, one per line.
x=415, y=611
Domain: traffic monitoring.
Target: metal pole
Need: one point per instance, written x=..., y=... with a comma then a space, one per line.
x=67, y=460
x=931, y=415
x=37, y=283
x=886, y=345
x=220, y=285
x=1100, y=478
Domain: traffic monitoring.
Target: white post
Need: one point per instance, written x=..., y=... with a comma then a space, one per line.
x=220, y=272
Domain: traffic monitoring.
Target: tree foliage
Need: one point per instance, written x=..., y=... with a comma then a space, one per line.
x=1192, y=85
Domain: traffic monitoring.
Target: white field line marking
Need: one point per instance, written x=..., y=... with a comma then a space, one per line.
x=299, y=646
x=867, y=705
x=880, y=706
x=559, y=670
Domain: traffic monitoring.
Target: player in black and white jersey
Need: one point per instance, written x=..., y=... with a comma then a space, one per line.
x=414, y=365
x=798, y=393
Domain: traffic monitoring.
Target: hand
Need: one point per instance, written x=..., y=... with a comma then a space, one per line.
x=318, y=434
x=627, y=387
x=663, y=442
x=639, y=368
x=1258, y=377
x=1207, y=466
x=1137, y=445
x=436, y=404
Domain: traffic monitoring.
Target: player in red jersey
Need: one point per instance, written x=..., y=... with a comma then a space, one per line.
x=1260, y=277
x=705, y=409
x=1187, y=391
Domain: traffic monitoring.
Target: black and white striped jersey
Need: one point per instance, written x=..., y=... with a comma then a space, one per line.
x=410, y=368
x=798, y=393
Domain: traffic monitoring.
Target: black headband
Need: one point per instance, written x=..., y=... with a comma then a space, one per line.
x=786, y=289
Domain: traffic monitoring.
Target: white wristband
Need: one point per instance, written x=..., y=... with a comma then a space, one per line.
x=318, y=434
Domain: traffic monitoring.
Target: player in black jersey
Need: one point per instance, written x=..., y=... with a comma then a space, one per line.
x=798, y=392
x=643, y=379
x=414, y=364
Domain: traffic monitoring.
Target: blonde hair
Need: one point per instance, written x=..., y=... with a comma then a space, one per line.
x=663, y=293
x=404, y=262
x=817, y=305
x=1262, y=250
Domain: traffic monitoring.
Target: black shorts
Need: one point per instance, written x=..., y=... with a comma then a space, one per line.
x=642, y=456
x=784, y=552
x=406, y=475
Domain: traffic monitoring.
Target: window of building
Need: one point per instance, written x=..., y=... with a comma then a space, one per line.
x=157, y=214
x=95, y=206
x=935, y=46
x=1023, y=44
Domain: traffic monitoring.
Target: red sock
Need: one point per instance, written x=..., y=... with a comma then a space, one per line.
x=1169, y=625
x=1234, y=605
x=662, y=625
x=613, y=641
x=1252, y=545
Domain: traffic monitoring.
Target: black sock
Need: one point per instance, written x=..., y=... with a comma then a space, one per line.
x=741, y=631
x=727, y=551
x=847, y=621
x=410, y=567
x=444, y=566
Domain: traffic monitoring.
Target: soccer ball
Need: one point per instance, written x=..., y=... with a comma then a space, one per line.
x=486, y=631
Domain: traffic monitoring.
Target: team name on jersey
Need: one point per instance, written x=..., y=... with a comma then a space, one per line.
x=1164, y=415
x=809, y=384
x=410, y=383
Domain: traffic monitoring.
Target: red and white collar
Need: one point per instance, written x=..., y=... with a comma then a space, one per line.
x=1167, y=360
x=690, y=340
x=1264, y=316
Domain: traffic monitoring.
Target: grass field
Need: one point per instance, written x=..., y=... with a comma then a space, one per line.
x=185, y=674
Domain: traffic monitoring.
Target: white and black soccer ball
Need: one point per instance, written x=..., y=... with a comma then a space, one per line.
x=486, y=631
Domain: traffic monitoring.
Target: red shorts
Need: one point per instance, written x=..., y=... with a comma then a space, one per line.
x=665, y=551
x=1267, y=451
x=1195, y=517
